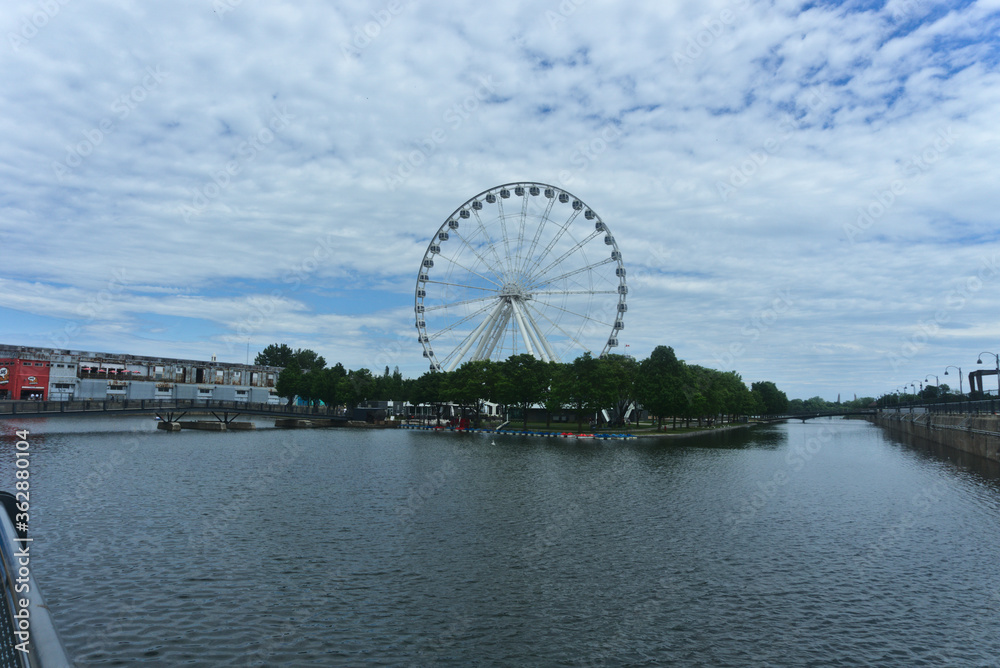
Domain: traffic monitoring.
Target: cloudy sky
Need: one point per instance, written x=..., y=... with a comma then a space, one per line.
x=802, y=192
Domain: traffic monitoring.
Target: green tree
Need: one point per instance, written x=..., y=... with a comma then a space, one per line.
x=775, y=401
x=618, y=375
x=355, y=387
x=524, y=382
x=660, y=384
x=290, y=382
x=276, y=354
x=280, y=355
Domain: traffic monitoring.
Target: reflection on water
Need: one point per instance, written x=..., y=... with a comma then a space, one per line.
x=821, y=543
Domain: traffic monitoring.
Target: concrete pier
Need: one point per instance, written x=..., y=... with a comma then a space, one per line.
x=204, y=425
x=169, y=426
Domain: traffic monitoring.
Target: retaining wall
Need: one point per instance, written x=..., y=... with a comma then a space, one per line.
x=976, y=434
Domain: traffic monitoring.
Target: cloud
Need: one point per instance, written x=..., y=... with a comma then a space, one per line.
x=187, y=159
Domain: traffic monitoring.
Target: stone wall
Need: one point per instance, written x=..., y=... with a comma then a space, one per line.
x=976, y=434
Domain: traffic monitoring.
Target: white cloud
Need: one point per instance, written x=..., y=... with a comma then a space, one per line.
x=316, y=177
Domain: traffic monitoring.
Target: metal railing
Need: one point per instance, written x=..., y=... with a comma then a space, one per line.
x=980, y=407
x=28, y=639
x=93, y=406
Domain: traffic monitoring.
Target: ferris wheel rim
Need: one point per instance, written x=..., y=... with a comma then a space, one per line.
x=510, y=302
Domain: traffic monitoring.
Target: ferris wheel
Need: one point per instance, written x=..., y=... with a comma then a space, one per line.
x=519, y=268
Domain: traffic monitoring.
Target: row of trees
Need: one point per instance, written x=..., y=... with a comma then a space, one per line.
x=665, y=386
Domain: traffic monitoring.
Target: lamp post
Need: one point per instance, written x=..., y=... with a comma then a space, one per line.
x=952, y=366
x=997, y=358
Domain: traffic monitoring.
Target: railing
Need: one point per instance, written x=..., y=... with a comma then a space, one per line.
x=56, y=408
x=963, y=407
x=28, y=638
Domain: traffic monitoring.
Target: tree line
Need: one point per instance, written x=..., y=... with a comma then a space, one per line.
x=669, y=388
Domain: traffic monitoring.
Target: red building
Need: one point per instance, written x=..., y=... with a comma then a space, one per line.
x=24, y=379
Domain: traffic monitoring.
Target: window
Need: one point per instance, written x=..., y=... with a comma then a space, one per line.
x=241, y=392
x=204, y=390
x=63, y=386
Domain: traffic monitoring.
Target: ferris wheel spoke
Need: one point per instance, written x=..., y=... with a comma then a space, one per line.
x=552, y=242
x=503, y=231
x=474, y=273
x=474, y=300
x=523, y=219
x=548, y=281
x=498, y=271
x=491, y=244
x=575, y=292
x=538, y=233
x=458, y=323
x=573, y=313
x=555, y=325
x=459, y=285
x=570, y=252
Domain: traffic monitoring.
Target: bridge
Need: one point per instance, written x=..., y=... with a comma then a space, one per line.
x=817, y=414
x=170, y=410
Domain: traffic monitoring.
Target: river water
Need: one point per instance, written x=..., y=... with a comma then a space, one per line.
x=824, y=544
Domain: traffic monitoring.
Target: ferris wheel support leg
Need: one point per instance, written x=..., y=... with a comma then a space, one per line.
x=498, y=331
x=538, y=332
x=524, y=329
x=484, y=340
x=527, y=327
x=475, y=336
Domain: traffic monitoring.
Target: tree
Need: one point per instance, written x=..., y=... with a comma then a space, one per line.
x=524, y=382
x=276, y=354
x=659, y=384
x=355, y=387
x=290, y=382
x=774, y=400
x=280, y=355
x=618, y=374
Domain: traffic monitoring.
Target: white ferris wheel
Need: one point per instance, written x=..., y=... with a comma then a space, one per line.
x=519, y=268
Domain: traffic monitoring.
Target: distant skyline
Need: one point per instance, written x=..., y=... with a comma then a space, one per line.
x=804, y=193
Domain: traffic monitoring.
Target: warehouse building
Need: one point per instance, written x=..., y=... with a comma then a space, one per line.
x=62, y=375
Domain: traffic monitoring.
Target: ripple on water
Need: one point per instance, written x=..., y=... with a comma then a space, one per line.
x=394, y=548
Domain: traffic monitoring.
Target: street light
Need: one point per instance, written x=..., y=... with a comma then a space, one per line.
x=997, y=358
x=952, y=366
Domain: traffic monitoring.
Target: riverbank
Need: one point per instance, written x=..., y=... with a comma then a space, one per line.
x=975, y=434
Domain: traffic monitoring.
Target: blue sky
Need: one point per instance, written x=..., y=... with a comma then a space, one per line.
x=802, y=192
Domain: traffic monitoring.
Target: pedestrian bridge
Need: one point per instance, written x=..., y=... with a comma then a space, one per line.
x=818, y=414
x=168, y=409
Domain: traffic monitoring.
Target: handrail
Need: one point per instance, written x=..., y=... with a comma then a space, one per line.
x=44, y=649
x=12, y=408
